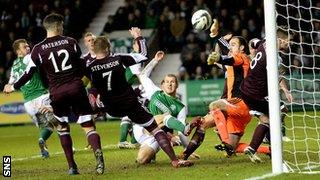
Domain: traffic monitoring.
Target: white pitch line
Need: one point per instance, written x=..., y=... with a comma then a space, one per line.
x=111, y=146
x=262, y=177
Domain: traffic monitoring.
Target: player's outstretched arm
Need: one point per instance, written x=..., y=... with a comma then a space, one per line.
x=139, y=44
x=214, y=29
x=159, y=55
x=153, y=63
x=284, y=88
x=222, y=41
x=149, y=87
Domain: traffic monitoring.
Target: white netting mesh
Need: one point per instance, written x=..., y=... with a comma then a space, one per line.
x=302, y=62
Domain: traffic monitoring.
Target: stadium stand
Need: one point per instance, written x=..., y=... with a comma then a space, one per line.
x=170, y=19
x=23, y=19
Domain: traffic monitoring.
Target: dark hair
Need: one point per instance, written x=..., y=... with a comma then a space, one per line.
x=16, y=44
x=244, y=43
x=53, y=20
x=255, y=43
x=283, y=32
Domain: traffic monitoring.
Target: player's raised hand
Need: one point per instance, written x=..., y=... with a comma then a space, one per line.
x=45, y=109
x=213, y=58
x=159, y=56
x=8, y=88
x=214, y=29
x=135, y=32
x=288, y=96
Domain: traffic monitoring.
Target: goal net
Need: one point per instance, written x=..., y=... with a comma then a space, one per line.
x=301, y=152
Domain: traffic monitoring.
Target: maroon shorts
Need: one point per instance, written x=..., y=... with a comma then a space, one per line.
x=261, y=106
x=72, y=98
x=128, y=106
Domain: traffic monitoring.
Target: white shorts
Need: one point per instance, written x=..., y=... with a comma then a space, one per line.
x=125, y=120
x=81, y=119
x=32, y=107
x=144, y=138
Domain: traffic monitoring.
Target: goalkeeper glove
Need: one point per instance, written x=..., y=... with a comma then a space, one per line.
x=213, y=58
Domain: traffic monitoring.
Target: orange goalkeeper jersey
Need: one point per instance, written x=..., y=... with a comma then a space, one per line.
x=235, y=73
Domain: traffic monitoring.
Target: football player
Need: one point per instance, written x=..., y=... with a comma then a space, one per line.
x=57, y=58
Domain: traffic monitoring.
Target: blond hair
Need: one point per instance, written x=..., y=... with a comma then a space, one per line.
x=170, y=75
x=16, y=44
x=88, y=34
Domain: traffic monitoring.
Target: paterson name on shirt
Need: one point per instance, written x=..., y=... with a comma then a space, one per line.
x=54, y=44
x=105, y=66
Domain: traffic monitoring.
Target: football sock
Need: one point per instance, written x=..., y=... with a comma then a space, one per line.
x=133, y=139
x=262, y=149
x=173, y=123
x=165, y=144
x=66, y=143
x=258, y=135
x=241, y=146
x=130, y=132
x=184, y=139
x=124, y=127
x=283, y=129
x=221, y=124
x=45, y=133
x=268, y=136
x=94, y=140
x=195, y=142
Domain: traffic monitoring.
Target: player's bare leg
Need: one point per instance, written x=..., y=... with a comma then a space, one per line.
x=94, y=141
x=165, y=145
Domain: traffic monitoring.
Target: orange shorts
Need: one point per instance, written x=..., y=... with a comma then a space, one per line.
x=237, y=116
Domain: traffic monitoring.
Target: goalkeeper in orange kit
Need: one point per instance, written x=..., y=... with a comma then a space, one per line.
x=229, y=115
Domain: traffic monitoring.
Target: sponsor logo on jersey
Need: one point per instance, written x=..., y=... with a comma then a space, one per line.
x=162, y=107
x=173, y=107
x=12, y=108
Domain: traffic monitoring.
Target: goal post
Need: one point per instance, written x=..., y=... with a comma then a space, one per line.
x=273, y=86
x=301, y=153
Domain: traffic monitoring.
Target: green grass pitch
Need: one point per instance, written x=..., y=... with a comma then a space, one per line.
x=20, y=142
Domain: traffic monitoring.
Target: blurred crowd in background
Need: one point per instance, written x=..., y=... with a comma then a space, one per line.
x=23, y=19
x=171, y=21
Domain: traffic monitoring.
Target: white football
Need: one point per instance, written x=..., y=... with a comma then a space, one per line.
x=201, y=20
